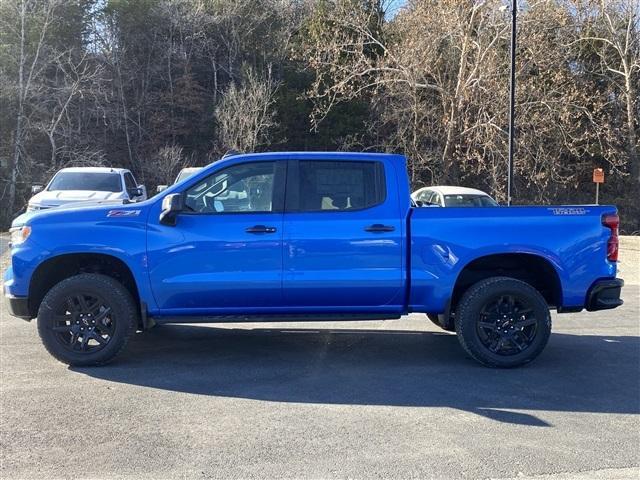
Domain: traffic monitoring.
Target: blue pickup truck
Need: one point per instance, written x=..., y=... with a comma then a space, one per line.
x=308, y=236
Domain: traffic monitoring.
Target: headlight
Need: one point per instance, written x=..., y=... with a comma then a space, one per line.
x=33, y=208
x=19, y=235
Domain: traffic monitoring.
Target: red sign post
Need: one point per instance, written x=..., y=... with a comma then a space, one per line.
x=598, y=178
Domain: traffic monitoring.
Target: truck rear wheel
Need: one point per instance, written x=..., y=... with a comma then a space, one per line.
x=503, y=322
x=87, y=319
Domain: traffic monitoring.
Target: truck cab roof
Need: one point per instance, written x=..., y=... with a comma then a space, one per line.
x=94, y=170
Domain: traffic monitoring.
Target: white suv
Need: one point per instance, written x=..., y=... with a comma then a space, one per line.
x=446, y=196
x=87, y=184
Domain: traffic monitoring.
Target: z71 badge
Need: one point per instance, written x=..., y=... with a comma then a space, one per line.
x=123, y=213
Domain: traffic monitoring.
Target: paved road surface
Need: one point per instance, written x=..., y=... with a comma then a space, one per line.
x=366, y=400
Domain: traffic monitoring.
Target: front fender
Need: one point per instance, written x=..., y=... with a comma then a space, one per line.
x=83, y=232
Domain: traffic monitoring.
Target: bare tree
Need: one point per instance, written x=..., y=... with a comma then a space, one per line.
x=246, y=113
x=614, y=27
x=169, y=161
x=436, y=74
x=75, y=78
x=34, y=20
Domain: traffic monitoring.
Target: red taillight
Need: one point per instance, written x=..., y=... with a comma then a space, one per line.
x=612, y=221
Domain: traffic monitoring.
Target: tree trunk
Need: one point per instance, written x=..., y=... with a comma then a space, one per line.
x=17, y=146
x=447, y=159
x=52, y=143
x=634, y=167
x=456, y=104
x=123, y=104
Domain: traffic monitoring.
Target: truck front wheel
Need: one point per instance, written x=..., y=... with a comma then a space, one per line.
x=86, y=319
x=503, y=322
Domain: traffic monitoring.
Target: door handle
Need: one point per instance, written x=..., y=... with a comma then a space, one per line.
x=379, y=228
x=261, y=229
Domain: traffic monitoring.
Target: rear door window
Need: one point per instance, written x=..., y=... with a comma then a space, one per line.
x=318, y=185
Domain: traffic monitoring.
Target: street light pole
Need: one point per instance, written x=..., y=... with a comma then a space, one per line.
x=512, y=101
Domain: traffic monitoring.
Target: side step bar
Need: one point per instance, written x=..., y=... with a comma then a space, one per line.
x=293, y=317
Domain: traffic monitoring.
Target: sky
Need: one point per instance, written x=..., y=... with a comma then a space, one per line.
x=393, y=6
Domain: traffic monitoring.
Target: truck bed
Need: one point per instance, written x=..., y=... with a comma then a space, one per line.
x=444, y=241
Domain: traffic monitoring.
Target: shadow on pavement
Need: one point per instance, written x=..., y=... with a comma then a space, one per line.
x=575, y=373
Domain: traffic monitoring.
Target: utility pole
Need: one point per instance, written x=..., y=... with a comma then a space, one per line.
x=512, y=101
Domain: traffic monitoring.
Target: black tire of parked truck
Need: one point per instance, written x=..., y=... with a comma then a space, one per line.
x=87, y=319
x=442, y=321
x=503, y=322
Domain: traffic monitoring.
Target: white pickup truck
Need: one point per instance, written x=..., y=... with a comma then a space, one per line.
x=87, y=184
x=182, y=175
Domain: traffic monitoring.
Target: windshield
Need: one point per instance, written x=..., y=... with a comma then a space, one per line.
x=469, y=201
x=94, y=181
x=186, y=173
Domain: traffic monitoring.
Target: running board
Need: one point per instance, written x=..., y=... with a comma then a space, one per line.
x=293, y=317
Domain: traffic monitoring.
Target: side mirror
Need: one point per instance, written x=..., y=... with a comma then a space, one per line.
x=36, y=189
x=161, y=188
x=135, y=192
x=171, y=206
x=419, y=203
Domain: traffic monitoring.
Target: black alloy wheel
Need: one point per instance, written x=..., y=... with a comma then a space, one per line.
x=84, y=322
x=507, y=325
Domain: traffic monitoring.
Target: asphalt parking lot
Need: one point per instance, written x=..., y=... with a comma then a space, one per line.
x=395, y=399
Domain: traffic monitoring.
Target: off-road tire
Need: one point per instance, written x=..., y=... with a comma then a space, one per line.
x=119, y=300
x=468, y=313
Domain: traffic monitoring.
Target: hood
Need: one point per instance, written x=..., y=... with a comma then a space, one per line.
x=56, y=198
x=22, y=219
